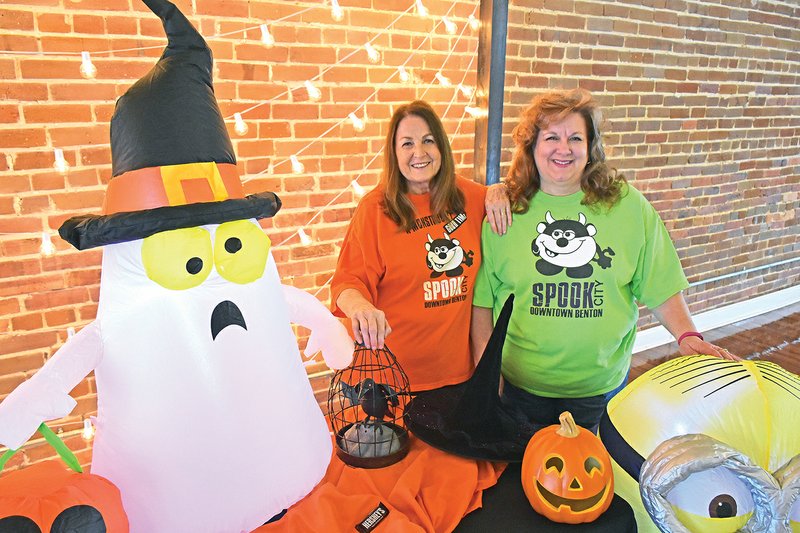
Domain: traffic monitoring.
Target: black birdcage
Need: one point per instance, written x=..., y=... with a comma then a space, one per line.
x=366, y=403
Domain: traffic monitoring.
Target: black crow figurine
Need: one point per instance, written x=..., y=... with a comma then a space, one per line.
x=375, y=398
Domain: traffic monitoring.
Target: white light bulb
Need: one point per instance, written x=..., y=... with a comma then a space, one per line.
x=450, y=26
x=313, y=93
x=372, y=53
x=466, y=90
x=297, y=166
x=304, y=239
x=240, y=127
x=476, y=112
x=443, y=80
x=404, y=77
x=60, y=163
x=358, y=189
x=421, y=11
x=358, y=124
x=266, y=37
x=473, y=22
x=47, y=248
x=336, y=12
x=88, y=429
x=88, y=70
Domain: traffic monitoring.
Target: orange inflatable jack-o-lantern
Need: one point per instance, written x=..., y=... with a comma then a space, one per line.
x=49, y=498
x=566, y=473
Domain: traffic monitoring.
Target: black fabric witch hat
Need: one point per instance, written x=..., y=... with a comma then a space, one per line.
x=173, y=164
x=468, y=419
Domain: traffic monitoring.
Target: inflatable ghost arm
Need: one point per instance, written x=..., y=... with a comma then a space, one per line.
x=327, y=333
x=45, y=396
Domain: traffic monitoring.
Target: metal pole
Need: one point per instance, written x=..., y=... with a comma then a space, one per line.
x=497, y=78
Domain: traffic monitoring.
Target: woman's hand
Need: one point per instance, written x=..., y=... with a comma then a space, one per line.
x=369, y=323
x=370, y=327
x=696, y=345
x=498, y=208
x=674, y=315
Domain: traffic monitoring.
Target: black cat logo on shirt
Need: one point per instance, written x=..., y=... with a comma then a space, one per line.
x=445, y=256
x=568, y=244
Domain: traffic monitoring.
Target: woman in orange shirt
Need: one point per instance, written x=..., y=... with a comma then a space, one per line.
x=412, y=252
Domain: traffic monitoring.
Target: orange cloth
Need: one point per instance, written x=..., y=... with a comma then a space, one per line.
x=428, y=306
x=43, y=491
x=428, y=491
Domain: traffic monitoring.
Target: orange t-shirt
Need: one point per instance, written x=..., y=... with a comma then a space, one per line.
x=422, y=280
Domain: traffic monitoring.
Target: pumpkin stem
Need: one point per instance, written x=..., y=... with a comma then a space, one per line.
x=568, y=427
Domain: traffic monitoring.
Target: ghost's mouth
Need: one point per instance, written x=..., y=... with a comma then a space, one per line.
x=225, y=314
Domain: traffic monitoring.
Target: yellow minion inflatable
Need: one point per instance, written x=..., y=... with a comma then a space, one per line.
x=705, y=445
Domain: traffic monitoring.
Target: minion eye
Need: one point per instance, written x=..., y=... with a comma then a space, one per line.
x=712, y=496
x=591, y=464
x=722, y=506
x=241, y=250
x=178, y=259
x=554, y=462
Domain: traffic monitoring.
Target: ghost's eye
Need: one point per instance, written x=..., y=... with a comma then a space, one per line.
x=709, y=497
x=569, y=234
x=233, y=245
x=240, y=251
x=178, y=259
x=557, y=234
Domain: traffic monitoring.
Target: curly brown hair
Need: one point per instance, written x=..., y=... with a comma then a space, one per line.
x=445, y=195
x=600, y=183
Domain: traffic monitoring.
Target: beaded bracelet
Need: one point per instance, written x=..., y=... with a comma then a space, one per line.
x=689, y=334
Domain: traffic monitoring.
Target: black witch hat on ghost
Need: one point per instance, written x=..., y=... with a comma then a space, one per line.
x=173, y=164
x=468, y=419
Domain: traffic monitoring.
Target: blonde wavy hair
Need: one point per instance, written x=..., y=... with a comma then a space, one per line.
x=445, y=196
x=600, y=183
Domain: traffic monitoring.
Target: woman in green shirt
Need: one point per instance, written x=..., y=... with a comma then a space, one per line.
x=583, y=248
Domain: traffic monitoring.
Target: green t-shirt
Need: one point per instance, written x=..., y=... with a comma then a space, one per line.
x=576, y=274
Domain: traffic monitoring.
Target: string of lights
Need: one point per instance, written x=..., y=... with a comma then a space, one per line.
x=240, y=126
x=464, y=89
x=309, y=84
x=358, y=123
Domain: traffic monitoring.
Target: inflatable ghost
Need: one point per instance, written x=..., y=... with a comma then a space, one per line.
x=206, y=419
x=706, y=445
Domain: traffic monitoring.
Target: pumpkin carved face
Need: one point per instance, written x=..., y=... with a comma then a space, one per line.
x=566, y=473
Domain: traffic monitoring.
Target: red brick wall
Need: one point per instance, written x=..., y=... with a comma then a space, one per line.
x=701, y=100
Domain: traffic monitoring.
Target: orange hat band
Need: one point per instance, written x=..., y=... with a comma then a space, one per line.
x=189, y=183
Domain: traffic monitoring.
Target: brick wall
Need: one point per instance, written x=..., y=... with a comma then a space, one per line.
x=701, y=100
